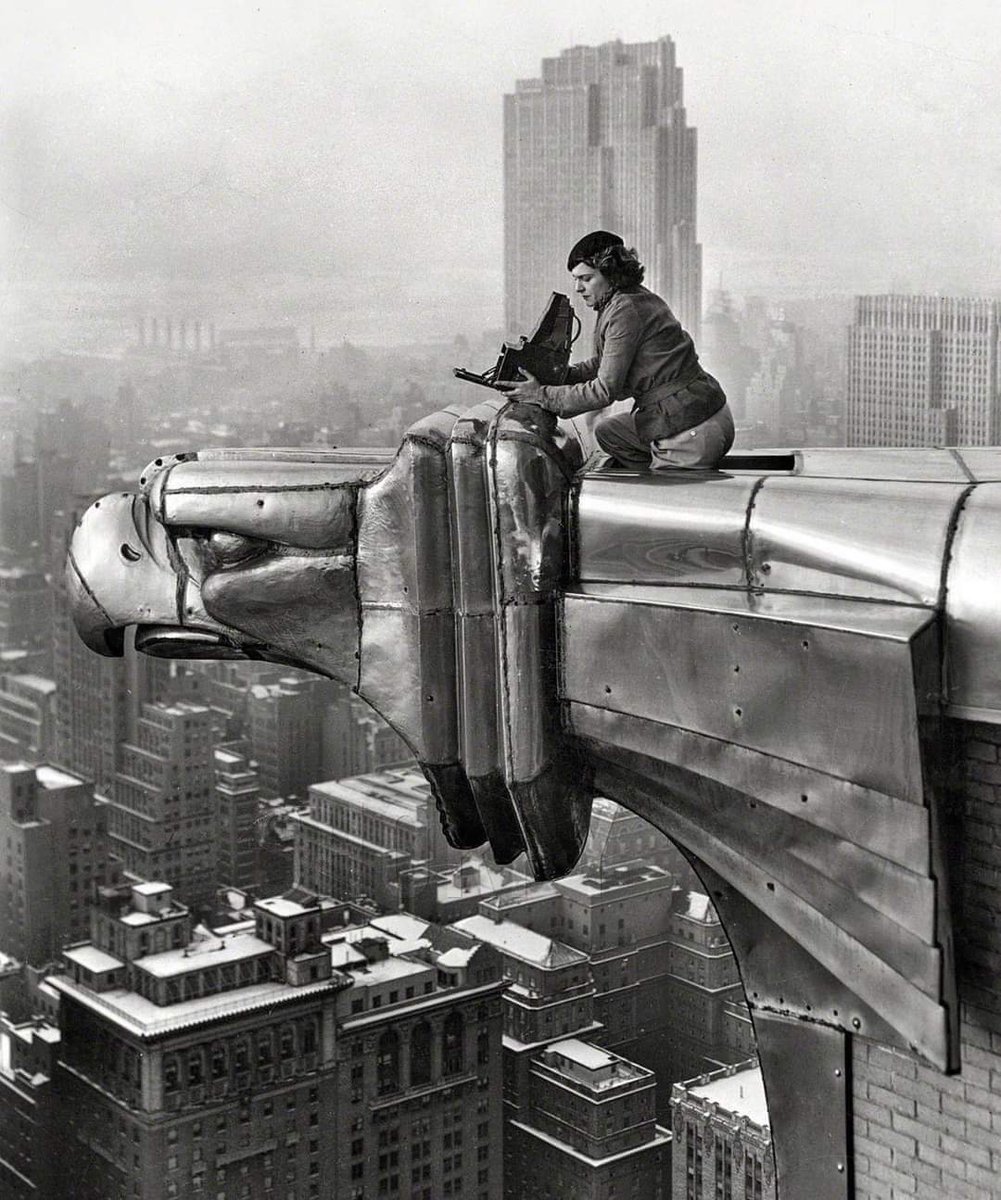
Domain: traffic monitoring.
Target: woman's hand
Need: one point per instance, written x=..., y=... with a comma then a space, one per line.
x=527, y=389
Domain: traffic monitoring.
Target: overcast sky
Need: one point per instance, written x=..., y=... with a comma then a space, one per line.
x=207, y=153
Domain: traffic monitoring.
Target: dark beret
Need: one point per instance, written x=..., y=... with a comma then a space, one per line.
x=590, y=245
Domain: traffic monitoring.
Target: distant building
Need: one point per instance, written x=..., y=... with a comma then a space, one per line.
x=701, y=987
x=237, y=792
x=722, y=1140
x=600, y=140
x=29, y=1119
x=357, y=741
x=361, y=835
x=459, y=892
x=25, y=609
x=53, y=857
x=27, y=717
x=924, y=371
x=160, y=812
x=98, y=699
x=284, y=722
x=589, y=1132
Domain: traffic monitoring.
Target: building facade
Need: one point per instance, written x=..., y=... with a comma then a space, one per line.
x=361, y=836
x=198, y=1067
x=589, y=1132
x=600, y=140
x=27, y=717
x=160, y=812
x=722, y=1140
x=923, y=371
x=28, y=1113
x=54, y=854
x=237, y=792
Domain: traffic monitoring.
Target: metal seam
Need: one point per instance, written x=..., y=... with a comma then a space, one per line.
x=87, y=588
x=745, y=537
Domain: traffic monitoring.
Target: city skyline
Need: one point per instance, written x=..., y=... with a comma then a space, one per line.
x=840, y=151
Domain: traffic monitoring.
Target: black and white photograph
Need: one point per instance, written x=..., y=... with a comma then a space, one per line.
x=500, y=600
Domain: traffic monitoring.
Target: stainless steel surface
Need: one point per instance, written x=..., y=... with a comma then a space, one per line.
x=973, y=610
x=663, y=529
x=811, y=1127
x=919, y=1019
x=895, y=830
x=813, y=694
x=528, y=486
x=875, y=540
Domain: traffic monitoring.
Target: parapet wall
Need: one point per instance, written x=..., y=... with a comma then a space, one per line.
x=919, y=1133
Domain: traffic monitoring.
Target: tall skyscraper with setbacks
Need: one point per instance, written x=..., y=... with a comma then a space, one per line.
x=600, y=141
x=924, y=371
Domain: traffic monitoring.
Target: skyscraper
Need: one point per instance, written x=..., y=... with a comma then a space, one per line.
x=600, y=140
x=161, y=807
x=923, y=371
x=53, y=854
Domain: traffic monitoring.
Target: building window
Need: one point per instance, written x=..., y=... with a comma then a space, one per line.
x=420, y=1055
x=388, y=1063
x=452, y=1056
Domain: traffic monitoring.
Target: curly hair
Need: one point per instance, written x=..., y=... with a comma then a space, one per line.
x=621, y=267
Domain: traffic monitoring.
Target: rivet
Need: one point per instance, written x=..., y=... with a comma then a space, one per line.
x=841, y=1166
x=837, y=1072
x=738, y=712
x=766, y=568
x=260, y=503
x=770, y=886
x=856, y=1023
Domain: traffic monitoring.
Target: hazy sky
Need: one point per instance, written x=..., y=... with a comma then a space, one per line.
x=254, y=155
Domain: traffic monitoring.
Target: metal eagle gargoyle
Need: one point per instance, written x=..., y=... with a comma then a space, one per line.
x=761, y=660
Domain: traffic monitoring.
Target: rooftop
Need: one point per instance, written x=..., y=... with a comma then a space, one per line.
x=740, y=1092
x=402, y=925
x=212, y=952
x=597, y=1069
x=146, y=1019
x=92, y=959
x=521, y=943
x=52, y=777
x=282, y=906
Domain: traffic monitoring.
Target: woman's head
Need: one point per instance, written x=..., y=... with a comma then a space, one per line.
x=600, y=263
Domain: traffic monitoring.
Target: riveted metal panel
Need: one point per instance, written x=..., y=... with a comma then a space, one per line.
x=811, y=1126
x=407, y=675
x=298, y=504
x=403, y=548
x=528, y=482
x=819, y=696
x=896, y=830
x=973, y=614
x=677, y=803
x=663, y=527
x=472, y=553
x=873, y=539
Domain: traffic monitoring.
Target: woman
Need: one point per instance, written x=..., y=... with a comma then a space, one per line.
x=679, y=417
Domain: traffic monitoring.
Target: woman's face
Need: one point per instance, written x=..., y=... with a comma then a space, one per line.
x=590, y=284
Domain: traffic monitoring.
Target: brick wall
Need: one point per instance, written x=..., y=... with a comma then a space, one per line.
x=919, y=1133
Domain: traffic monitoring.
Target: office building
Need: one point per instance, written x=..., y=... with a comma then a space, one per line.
x=25, y=609
x=360, y=836
x=589, y=1132
x=29, y=1129
x=356, y=740
x=161, y=807
x=722, y=1141
x=600, y=141
x=702, y=984
x=284, y=723
x=27, y=717
x=237, y=792
x=271, y=1059
x=923, y=371
x=54, y=853
x=205, y=1066
x=419, y=1088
